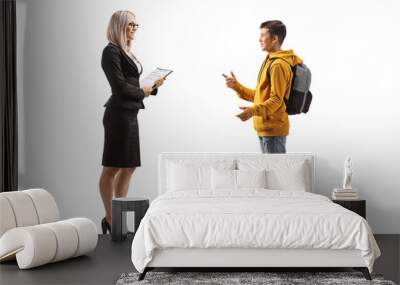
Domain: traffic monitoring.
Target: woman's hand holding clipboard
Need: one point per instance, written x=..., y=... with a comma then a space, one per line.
x=156, y=78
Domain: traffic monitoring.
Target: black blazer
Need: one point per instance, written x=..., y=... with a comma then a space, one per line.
x=123, y=76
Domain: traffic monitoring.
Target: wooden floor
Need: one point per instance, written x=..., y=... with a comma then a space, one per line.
x=110, y=260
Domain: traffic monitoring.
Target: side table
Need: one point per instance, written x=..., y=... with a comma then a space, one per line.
x=357, y=206
x=120, y=206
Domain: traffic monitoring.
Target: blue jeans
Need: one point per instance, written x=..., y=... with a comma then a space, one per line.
x=273, y=144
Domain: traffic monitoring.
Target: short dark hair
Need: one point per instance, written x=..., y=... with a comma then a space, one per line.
x=275, y=28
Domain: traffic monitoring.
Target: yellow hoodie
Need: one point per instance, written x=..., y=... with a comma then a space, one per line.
x=269, y=110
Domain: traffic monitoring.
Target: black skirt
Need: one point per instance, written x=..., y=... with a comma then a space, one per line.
x=121, y=138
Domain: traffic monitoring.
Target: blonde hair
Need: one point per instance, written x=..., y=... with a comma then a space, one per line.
x=116, y=31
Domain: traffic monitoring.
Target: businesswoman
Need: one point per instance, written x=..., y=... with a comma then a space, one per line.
x=121, y=153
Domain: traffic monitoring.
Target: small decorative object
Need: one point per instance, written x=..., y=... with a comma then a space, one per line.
x=348, y=173
x=347, y=192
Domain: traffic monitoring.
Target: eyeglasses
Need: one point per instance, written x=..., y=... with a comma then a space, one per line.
x=133, y=25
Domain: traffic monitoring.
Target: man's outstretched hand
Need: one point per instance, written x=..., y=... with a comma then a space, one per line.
x=246, y=114
x=231, y=81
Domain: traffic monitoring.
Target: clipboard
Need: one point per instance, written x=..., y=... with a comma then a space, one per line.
x=156, y=74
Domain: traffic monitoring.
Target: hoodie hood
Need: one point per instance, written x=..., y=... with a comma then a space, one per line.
x=287, y=55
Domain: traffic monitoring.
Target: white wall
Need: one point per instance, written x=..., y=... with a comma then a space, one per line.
x=351, y=48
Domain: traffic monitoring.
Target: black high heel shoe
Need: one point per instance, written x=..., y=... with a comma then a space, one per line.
x=105, y=226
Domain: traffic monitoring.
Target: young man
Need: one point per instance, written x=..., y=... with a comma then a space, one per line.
x=269, y=111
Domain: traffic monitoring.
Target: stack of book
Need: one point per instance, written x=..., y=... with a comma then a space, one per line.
x=344, y=194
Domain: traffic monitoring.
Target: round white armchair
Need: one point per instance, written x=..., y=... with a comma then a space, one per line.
x=31, y=230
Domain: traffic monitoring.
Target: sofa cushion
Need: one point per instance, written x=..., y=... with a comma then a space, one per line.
x=40, y=244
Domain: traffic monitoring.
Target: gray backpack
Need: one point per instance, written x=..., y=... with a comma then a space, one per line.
x=300, y=96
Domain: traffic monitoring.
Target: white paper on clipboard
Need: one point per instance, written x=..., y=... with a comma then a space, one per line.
x=158, y=73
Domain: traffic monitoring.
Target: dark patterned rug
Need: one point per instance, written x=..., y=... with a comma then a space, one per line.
x=244, y=278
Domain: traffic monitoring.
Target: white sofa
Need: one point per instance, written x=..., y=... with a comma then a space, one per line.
x=32, y=233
